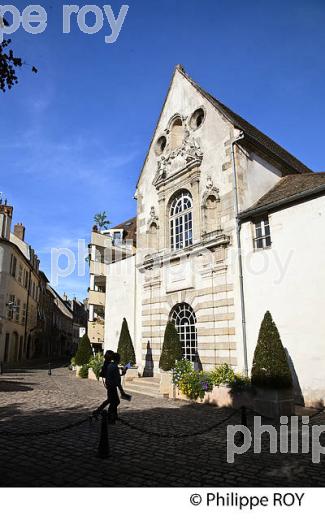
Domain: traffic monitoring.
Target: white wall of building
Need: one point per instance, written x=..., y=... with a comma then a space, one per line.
x=120, y=301
x=288, y=280
x=258, y=177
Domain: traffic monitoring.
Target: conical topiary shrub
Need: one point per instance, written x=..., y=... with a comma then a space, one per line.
x=125, y=345
x=84, y=352
x=270, y=365
x=171, y=350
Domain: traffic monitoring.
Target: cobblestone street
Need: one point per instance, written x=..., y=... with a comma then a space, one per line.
x=31, y=401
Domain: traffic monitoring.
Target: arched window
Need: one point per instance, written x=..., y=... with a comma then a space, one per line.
x=184, y=320
x=181, y=221
x=176, y=134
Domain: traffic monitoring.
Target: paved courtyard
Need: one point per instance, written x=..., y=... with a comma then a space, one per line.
x=31, y=401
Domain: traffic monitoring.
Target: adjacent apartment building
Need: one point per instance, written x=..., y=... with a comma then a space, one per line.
x=35, y=322
x=19, y=292
x=107, y=247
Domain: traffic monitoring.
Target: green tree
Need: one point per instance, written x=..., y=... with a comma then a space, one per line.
x=101, y=220
x=9, y=64
x=125, y=345
x=84, y=352
x=270, y=365
x=172, y=349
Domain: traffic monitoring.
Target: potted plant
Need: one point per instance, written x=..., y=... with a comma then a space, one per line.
x=171, y=353
x=84, y=353
x=126, y=350
x=271, y=376
x=83, y=372
x=95, y=366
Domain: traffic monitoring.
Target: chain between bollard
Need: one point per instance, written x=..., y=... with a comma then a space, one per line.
x=45, y=432
x=104, y=433
x=177, y=435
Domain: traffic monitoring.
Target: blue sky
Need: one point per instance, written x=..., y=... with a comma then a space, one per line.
x=75, y=135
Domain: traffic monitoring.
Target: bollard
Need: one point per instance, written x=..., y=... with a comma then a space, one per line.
x=103, y=447
x=49, y=370
x=1, y=368
x=243, y=422
x=243, y=416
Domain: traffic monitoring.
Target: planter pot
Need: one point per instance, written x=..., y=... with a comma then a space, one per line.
x=165, y=383
x=91, y=375
x=131, y=373
x=221, y=396
x=175, y=393
x=274, y=403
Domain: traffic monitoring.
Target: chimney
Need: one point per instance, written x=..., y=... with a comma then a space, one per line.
x=5, y=219
x=19, y=231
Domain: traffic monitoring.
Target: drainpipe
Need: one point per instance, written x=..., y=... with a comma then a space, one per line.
x=240, y=260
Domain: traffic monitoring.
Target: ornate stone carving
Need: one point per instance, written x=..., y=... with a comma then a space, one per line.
x=211, y=219
x=182, y=158
x=153, y=219
x=211, y=190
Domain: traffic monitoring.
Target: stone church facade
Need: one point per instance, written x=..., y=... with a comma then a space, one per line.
x=205, y=167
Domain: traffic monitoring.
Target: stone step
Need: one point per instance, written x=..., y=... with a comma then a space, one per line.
x=142, y=391
x=155, y=379
x=144, y=386
x=138, y=386
x=143, y=383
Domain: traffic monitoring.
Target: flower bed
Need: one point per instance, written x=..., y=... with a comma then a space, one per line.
x=221, y=386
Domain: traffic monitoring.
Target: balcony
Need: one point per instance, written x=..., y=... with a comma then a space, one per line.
x=97, y=268
x=96, y=331
x=97, y=298
x=100, y=240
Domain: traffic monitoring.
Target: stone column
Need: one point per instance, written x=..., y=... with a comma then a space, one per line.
x=92, y=282
x=195, y=185
x=162, y=241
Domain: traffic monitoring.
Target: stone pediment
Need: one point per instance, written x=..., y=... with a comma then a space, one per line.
x=177, y=161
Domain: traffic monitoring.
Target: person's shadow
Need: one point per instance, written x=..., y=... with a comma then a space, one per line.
x=197, y=363
x=149, y=366
x=298, y=395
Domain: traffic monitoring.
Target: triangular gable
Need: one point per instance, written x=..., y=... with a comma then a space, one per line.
x=252, y=134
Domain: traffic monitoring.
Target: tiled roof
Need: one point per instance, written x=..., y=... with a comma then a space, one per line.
x=251, y=131
x=289, y=188
x=129, y=229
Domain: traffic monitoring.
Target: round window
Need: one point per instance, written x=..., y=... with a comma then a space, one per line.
x=160, y=145
x=197, y=119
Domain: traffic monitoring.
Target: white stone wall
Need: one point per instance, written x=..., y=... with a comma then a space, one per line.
x=199, y=279
x=288, y=280
x=120, y=301
x=205, y=279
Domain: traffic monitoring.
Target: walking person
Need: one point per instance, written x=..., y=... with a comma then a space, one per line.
x=111, y=373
